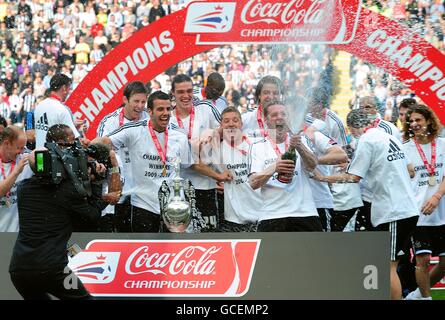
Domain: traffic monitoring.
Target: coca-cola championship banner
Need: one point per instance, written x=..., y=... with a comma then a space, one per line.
x=204, y=25
x=167, y=268
x=215, y=266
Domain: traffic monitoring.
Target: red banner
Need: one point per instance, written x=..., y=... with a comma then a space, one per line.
x=365, y=34
x=143, y=56
x=167, y=268
x=402, y=53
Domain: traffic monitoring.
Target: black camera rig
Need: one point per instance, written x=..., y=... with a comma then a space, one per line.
x=71, y=162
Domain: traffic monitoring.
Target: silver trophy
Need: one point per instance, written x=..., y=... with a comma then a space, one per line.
x=176, y=214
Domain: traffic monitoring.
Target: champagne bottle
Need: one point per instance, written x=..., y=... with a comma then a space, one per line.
x=290, y=154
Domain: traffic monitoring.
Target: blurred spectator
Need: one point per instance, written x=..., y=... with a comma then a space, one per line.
x=38, y=86
x=95, y=28
x=15, y=105
x=97, y=53
x=115, y=17
x=3, y=9
x=166, y=6
x=5, y=109
x=233, y=98
x=156, y=11
x=143, y=22
x=23, y=7
x=143, y=10
x=102, y=17
x=82, y=51
x=3, y=124
x=47, y=78
x=9, y=82
x=10, y=18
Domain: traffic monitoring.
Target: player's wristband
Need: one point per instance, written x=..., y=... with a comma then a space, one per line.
x=115, y=170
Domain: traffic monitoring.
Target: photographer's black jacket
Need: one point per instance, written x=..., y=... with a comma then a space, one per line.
x=45, y=214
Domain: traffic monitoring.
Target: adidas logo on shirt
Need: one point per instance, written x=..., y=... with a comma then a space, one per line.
x=42, y=123
x=394, y=152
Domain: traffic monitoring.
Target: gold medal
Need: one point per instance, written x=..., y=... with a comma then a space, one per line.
x=8, y=203
x=164, y=171
x=432, y=181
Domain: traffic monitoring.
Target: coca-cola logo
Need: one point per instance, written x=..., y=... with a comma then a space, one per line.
x=194, y=260
x=295, y=12
x=265, y=21
x=176, y=267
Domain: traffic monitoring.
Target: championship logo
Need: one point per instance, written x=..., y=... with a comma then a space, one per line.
x=210, y=17
x=95, y=267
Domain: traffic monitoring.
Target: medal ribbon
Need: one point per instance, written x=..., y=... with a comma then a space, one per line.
x=275, y=146
x=191, y=121
x=259, y=117
x=121, y=117
x=55, y=97
x=243, y=152
x=4, y=175
x=430, y=167
x=161, y=153
x=325, y=114
x=375, y=124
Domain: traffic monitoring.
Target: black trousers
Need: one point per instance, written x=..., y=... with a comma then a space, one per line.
x=106, y=223
x=83, y=224
x=122, y=216
x=144, y=221
x=207, y=204
x=39, y=285
x=120, y=221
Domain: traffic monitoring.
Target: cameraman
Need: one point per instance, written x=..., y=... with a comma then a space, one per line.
x=39, y=261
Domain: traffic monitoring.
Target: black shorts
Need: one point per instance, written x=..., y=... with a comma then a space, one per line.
x=144, y=221
x=325, y=215
x=430, y=240
x=363, y=220
x=227, y=226
x=290, y=224
x=206, y=203
x=220, y=202
x=401, y=232
x=340, y=219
